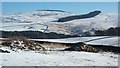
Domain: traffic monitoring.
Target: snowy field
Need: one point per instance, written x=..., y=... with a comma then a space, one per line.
x=56, y=58
x=113, y=41
x=98, y=40
x=23, y=27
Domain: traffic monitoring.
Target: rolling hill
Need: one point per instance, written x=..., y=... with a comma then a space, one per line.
x=51, y=21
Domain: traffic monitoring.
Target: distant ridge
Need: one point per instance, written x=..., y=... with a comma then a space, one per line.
x=52, y=10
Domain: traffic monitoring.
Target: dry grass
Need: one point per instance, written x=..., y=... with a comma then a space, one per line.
x=55, y=45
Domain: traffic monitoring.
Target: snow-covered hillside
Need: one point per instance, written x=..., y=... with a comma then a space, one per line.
x=46, y=21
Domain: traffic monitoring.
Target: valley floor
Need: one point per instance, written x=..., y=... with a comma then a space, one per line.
x=59, y=58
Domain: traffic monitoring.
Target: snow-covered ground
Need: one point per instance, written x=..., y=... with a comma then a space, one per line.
x=23, y=27
x=57, y=58
x=0, y=60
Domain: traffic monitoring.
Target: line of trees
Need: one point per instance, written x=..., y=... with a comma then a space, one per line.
x=34, y=34
x=110, y=32
x=40, y=35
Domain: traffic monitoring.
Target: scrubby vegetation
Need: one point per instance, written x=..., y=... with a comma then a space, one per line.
x=21, y=43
